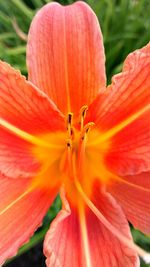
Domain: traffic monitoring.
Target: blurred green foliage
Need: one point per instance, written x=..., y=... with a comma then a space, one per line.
x=125, y=25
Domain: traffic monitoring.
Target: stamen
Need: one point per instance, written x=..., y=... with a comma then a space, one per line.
x=83, y=111
x=81, y=157
x=86, y=129
x=26, y=136
x=70, y=116
x=69, y=140
x=69, y=158
x=69, y=143
x=129, y=243
x=69, y=124
x=82, y=147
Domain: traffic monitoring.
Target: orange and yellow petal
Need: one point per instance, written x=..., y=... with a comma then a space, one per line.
x=16, y=159
x=129, y=152
x=132, y=59
x=78, y=238
x=133, y=194
x=24, y=105
x=122, y=115
x=128, y=96
x=65, y=54
x=25, y=113
x=22, y=209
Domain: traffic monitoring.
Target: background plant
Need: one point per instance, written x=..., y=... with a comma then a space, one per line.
x=125, y=25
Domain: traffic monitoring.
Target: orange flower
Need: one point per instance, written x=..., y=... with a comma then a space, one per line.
x=78, y=138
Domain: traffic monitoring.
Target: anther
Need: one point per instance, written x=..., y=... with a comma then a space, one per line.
x=83, y=111
x=69, y=124
x=86, y=129
x=69, y=143
x=72, y=133
x=70, y=116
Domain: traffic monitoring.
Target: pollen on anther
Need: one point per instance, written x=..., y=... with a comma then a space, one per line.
x=83, y=111
x=86, y=129
x=69, y=124
x=69, y=119
x=69, y=143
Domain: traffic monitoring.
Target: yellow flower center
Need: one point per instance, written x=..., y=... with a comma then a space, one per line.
x=71, y=156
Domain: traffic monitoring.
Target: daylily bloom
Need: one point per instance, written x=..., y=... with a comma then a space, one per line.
x=65, y=131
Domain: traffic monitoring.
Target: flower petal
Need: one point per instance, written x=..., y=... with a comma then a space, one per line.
x=133, y=194
x=16, y=159
x=128, y=93
x=22, y=105
x=129, y=152
x=65, y=54
x=122, y=115
x=80, y=239
x=21, y=212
